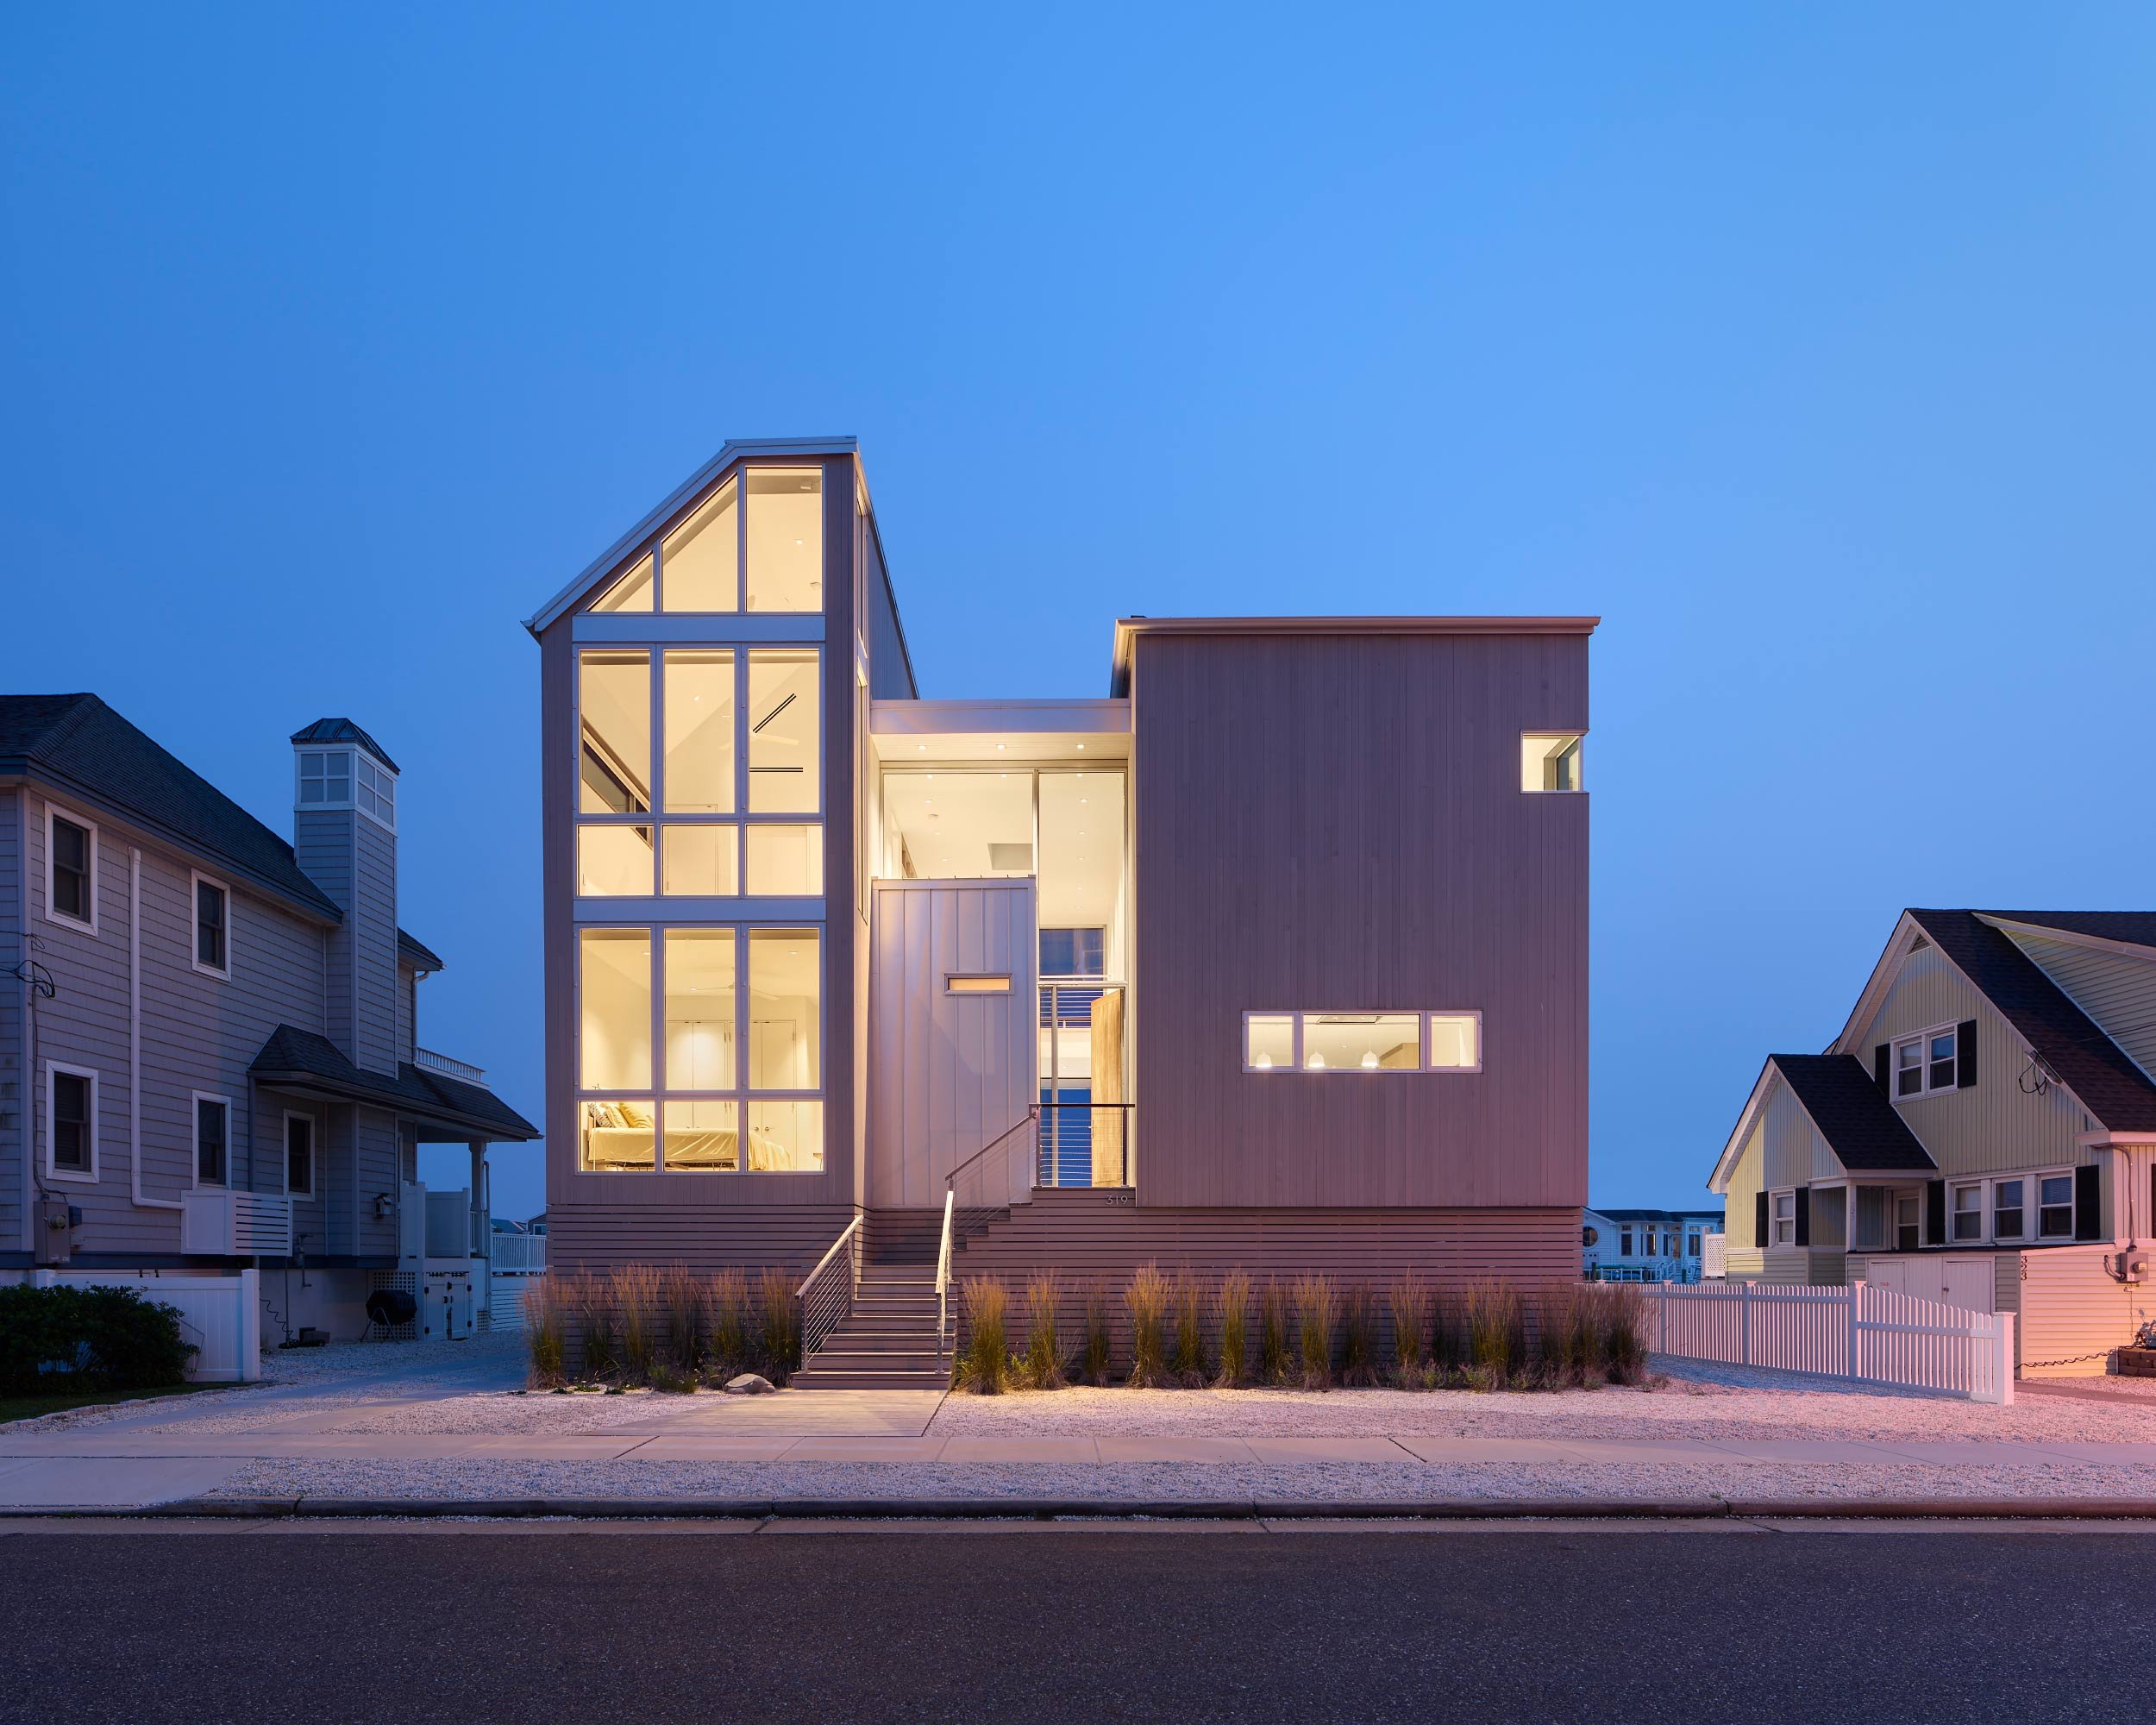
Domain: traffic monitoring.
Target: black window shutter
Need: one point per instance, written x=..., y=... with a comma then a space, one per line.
x=1934, y=1213
x=1803, y=1215
x=2088, y=1203
x=1965, y=1053
x=1883, y=1066
x=1759, y=1219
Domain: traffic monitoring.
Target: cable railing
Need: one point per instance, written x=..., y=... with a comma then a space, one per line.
x=1083, y=1143
x=826, y=1295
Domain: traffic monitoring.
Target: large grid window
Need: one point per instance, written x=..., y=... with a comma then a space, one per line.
x=1362, y=1042
x=699, y=772
x=700, y=1050
x=756, y=543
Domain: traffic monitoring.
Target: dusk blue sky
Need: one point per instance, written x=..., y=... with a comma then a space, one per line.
x=1809, y=346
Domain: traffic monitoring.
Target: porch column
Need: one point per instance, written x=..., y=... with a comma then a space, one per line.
x=482, y=1224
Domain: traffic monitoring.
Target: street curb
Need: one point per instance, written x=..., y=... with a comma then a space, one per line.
x=1118, y=1510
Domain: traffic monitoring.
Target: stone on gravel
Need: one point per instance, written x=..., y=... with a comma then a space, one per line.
x=749, y=1384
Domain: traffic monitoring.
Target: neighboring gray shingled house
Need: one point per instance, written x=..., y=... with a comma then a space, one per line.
x=1983, y=1130
x=208, y=1035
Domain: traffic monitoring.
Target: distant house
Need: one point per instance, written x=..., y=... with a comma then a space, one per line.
x=1646, y=1245
x=208, y=1053
x=1983, y=1131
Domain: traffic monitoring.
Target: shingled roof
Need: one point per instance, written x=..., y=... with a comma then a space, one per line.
x=2082, y=1057
x=1865, y=1132
x=292, y=1056
x=2134, y=928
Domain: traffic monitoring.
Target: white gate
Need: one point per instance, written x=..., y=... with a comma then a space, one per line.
x=221, y=1316
x=1866, y=1332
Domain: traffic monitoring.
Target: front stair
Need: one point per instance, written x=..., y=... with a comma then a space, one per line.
x=888, y=1342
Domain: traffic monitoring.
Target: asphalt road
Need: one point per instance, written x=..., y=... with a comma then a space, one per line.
x=1460, y=1626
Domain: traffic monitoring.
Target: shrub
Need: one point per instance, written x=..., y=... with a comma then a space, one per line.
x=594, y=1327
x=983, y=1365
x=1358, y=1337
x=1497, y=1332
x=1147, y=1299
x=1624, y=1328
x=681, y=1302
x=87, y=1339
x=779, y=1342
x=1232, y=1304
x=726, y=1343
x=1186, y=1366
x=1313, y=1331
x=1097, y=1344
x=1411, y=1331
x=635, y=1290
x=1275, y=1361
x=1043, y=1366
x=545, y=1320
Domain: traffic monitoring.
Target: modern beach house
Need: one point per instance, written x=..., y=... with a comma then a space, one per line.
x=1275, y=955
x=210, y=1060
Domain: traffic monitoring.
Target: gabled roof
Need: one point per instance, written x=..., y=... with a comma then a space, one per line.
x=1864, y=1129
x=75, y=742
x=2112, y=928
x=2116, y=1091
x=295, y=1056
x=735, y=449
x=343, y=731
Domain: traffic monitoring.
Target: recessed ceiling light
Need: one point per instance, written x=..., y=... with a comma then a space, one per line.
x=924, y=748
x=1082, y=748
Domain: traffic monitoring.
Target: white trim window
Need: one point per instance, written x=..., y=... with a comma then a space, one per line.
x=2054, y=1203
x=71, y=869
x=377, y=790
x=1550, y=760
x=1784, y=1217
x=212, y=926
x=71, y=1123
x=1924, y=1064
x=1965, y=1211
x=325, y=778
x=1361, y=1042
x=2009, y=1208
x=213, y=1139
x=300, y=1155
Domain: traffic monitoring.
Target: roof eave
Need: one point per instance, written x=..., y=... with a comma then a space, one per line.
x=735, y=449
x=1127, y=629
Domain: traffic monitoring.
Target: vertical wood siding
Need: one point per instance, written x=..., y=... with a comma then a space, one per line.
x=1993, y=1126
x=2117, y=991
x=948, y=1072
x=1336, y=822
x=1796, y=1154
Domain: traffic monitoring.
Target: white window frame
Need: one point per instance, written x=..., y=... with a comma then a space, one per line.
x=1923, y=1041
x=1983, y=1190
x=55, y=812
x=314, y=1153
x=1991, y=1207
x=1578, y=740
x=350, y=799
x=383, y=789
x=197, y=881
x=73, y=1176
x=2032, y=1213
x=1777, y=1222
x=195, y=1101
x=1295, y=1017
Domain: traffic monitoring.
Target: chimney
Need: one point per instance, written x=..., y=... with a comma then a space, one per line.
x=344, y=835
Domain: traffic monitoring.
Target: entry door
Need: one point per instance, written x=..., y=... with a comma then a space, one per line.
x=951, y=1041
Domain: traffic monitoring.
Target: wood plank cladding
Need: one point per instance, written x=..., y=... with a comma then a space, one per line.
x=599, y=1237
x=1087, y=1236
x=1334, y=822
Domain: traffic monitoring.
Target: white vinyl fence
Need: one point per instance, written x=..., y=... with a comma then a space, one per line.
x=1872, y=1334
x=220, y=1316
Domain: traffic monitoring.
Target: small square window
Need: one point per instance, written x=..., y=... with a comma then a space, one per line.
x=701, y=862
x=1550, y=760
x=1455, y=1041
x=613, y=862
x=1269, y=1042
x=786, y=862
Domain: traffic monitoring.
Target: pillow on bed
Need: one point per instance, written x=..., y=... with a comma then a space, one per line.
x=634, y=1114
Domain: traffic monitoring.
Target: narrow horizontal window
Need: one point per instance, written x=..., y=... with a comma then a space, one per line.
x=1550, y=760
x=1360, y=1042
x=977, y=984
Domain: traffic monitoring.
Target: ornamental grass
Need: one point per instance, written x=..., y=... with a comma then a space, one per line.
x=1146, y=1299
x=546, y=1324
x=983, y=1365
x=1231, y=1308
x=1313, y=1331
x=1186, y=1362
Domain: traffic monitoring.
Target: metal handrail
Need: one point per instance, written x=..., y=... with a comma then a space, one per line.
x=943, y=1276
x=834, y=1303
x=1044, y=1163
x=950, y=1181
x=951, y=1207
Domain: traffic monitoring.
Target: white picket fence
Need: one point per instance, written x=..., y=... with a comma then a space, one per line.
x=220, y=1315
x=1872, y=1334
